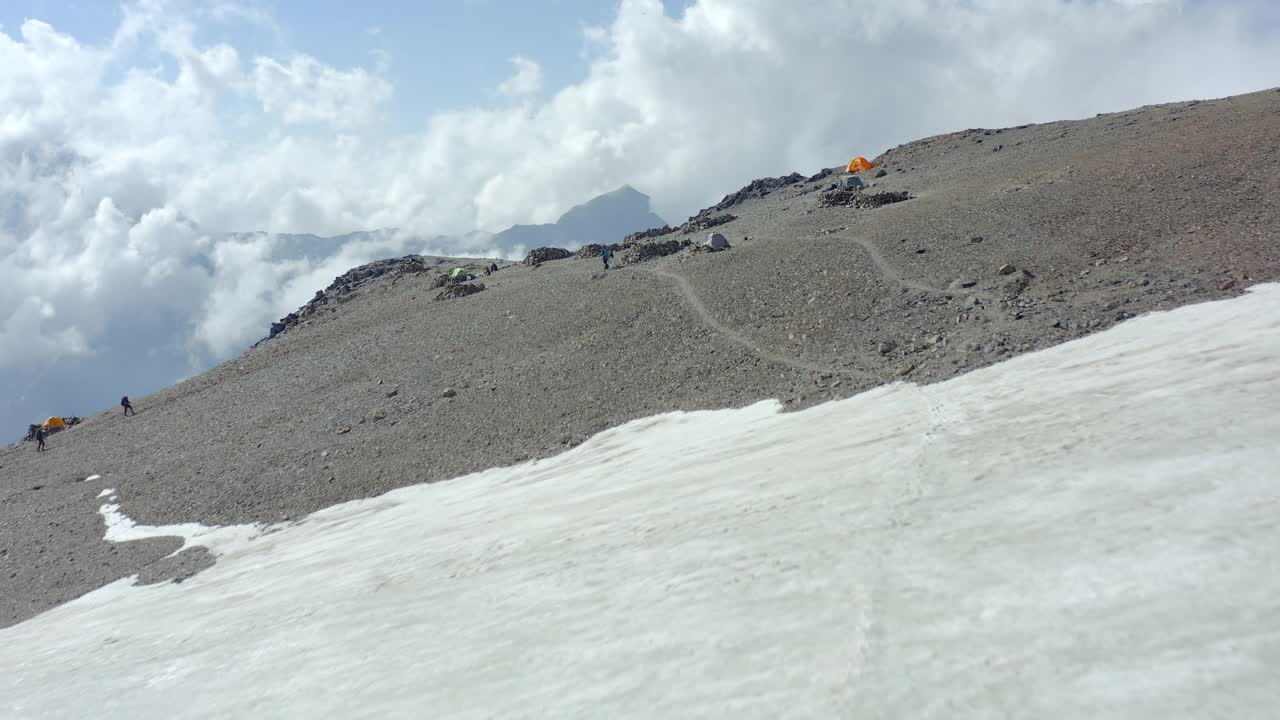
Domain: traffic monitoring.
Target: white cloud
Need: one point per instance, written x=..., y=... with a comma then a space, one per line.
x=118, y=176
x=526, y=80
x=305, y=90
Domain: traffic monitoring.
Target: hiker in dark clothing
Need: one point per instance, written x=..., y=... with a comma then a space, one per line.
x=606, y=252
x=40, y=440
x=128, y=408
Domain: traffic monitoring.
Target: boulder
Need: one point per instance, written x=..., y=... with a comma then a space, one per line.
x=851, y=182
x=716, y=241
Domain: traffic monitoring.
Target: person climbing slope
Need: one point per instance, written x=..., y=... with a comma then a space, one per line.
x=128, y=407
x=40, y=439
x=606, y=252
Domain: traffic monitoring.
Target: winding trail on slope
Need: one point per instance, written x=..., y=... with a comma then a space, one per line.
x=885, y=268
x=877, y=259
x=738, y=338
x=699, y=309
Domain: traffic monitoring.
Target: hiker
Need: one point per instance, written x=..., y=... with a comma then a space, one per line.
x=128, y=407
x=606, y=252
x=40, y=439
x=493, y=268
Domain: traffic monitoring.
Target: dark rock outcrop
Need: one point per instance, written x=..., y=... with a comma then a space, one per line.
x=701, y=222
x=649, y=251
x=587, y=252
x=875, y=200
x=453, y=291
x=650, y=233
x=757, y=189
x=857, y=198
x=347, y=283
x=545, y=254
x=712, y=216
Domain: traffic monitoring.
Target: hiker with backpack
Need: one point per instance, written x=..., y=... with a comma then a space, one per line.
x=128, y=407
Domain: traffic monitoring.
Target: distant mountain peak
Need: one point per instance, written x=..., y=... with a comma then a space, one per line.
x=605, y=218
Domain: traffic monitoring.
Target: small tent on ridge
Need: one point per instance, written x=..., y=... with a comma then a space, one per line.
x=859, y=164
x=716, y=241
x=55, y=423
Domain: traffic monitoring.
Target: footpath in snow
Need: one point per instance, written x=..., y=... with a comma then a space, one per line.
x=1086, y=532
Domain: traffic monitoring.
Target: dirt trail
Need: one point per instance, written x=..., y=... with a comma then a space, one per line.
x=705, y=316
x=885, y=268
x=738, y=338
x=876, y=259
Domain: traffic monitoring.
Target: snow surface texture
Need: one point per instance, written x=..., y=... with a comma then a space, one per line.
x=1085, y=532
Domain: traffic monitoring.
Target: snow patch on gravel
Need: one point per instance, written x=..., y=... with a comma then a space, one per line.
x=1084, y=532
x=218, y=539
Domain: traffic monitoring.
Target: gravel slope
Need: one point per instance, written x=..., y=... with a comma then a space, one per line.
x=1112, y=216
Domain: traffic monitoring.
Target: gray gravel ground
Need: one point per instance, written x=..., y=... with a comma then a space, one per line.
x=1113, y=217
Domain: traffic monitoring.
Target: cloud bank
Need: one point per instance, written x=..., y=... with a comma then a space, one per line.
x=132, y=172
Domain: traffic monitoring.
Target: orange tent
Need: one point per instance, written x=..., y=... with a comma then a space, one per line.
x=859, y=164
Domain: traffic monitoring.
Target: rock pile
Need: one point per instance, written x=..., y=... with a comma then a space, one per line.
x=545, y=254
x=857, y=198
x=646, y=234
x=708, y=218
x=587, y=252
x=453, y=291
x=705, y=221
x=648, y=251
x=875, y=200
x=757, y=189
x=362, y=275
x=838, y=197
